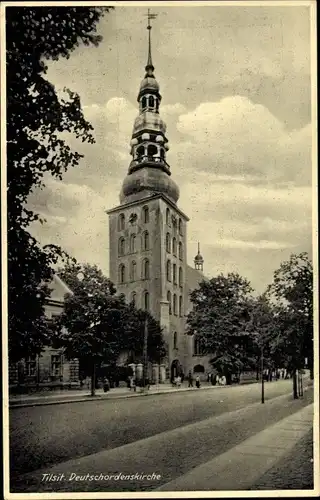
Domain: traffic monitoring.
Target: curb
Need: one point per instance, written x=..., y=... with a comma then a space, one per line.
x=106, y=398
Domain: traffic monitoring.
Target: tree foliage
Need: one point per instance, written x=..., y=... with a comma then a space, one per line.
x=37, y=118
x=219, y=318
x=97, y=325
x=292, y=289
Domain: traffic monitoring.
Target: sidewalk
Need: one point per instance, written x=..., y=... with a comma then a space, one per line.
x=67, y=396
x=241, y=467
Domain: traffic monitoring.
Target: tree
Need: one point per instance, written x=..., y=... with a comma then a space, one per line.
x=37, y=118
x=96, y=325
x=292, y=288
x=219, y=319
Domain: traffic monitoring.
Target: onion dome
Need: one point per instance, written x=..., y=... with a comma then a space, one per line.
x=198, y=260
x=148, y=181
x=149, y=83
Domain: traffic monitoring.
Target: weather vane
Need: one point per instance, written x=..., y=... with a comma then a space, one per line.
x=150, y=16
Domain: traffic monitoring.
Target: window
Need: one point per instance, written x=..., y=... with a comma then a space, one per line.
x=31, y=366
x=169, y=300
x=168, y=270
x=175, y=274
x=180, y=227
x=145, y=270
x=180, y=277
x=121, y=222
x=121, y=273
x=145, y=240
x=134, y=298
x=145, y=212
x=168, y=221
x=180, y=251
x=174, y=246
x=121, y=246
x=168, y=242
x=56, y=365
x=140, y=151
x=133, y=271
x=175, y=304
x=151, y=101
x=144, y=102
x=146, y=301
x=175, y=340
x=180, y=306
x=197, y=346
x=132, y=243
x=152, y=150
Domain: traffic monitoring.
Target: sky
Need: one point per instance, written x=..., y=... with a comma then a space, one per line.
x=236, y=98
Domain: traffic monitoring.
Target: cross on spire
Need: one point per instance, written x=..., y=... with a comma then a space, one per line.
x=150, y=16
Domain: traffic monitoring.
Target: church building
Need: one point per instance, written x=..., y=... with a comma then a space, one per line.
x=148, y=235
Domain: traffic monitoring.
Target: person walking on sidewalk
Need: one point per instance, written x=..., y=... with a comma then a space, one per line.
x=190, y=379
x=197, y=382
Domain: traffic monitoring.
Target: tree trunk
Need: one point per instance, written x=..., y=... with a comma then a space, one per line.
x=295, y=386
x=93, y=378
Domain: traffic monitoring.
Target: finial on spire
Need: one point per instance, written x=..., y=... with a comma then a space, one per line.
x=198, y=247
x=149, y=65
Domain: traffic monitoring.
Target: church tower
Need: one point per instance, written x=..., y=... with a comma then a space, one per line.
x=147, y=230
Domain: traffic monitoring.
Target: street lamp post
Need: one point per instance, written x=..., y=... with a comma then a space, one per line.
x=145, y=352
x=262, y=377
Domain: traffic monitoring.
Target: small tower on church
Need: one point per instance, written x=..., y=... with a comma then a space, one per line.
x=198, y=260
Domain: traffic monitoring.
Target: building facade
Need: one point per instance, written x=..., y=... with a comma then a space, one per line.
x=50, y=368
x=148, y=235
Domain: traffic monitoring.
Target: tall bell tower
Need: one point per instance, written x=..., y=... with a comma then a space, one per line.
x=147, y=230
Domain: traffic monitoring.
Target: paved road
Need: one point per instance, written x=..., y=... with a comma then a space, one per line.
x=170, y=454
x=43, y=436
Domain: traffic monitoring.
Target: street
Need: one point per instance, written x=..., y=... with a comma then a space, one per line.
x=167, y=434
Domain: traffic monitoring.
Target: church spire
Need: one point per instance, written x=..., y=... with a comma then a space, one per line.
x=198, y=260
x=149, y=67
x=149, y=171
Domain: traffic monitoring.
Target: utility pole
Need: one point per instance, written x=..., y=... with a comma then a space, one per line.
x=145, y=352
x=262, y=377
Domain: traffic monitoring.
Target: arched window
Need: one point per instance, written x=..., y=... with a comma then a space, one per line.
x=174, y=246
x=180, y=277
x=145, y=240
x=180, y=227
x=152, y=150
x=174, y=273
x=133, y=271
x=168, y=270
x=134, y=298
x=169, y=300
x=122, y=271
x=121, y=222
x=121, y=244
x=132, y=243
x=145, y=212
x=144, y=102
x=197, y=346
x=175, y=304
x=168, y=243
x=175, y=340
x=146, y=301
x=180, y=306
x=151, y=101
x=180, y=251
x=198, y=369
x=145, y=269
x=168, y=221
x=140, y=151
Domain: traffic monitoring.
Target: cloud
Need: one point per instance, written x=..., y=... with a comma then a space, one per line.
x=235, y=136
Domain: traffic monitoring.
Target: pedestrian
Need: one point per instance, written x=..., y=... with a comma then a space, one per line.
x=178, y=381
x=223, y=380
x=213, y=379
x=198, y=382
x=190, y=379
x=106, y=385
